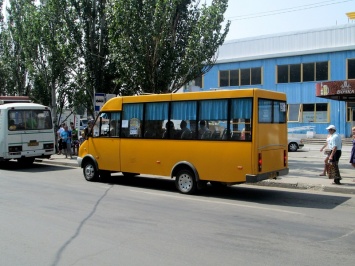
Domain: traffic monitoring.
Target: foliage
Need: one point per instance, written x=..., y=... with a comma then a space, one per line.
x=60, y=52
x=160, y=45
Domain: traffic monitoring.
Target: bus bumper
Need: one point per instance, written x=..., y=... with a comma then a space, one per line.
x=79, y=161
x=264, y=176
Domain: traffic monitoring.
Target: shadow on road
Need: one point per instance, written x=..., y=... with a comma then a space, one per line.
x=258, y=195
x=14, y=165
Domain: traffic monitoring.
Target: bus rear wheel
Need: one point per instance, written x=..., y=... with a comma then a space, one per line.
x=185, y=182
x=90, y=171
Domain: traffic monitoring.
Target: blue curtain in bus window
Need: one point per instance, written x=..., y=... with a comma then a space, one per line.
x=213, y=109
x=241, y=108
x=184, y=110
x=265, y=111
x=279, y=112
x=156, y=111
x=133, y=111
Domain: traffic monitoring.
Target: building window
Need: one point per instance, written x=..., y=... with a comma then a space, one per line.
x=351, y=69
x=322, y=71
x=234, y=77
x=199, y=82
x=310, y=72
x=224, y=78
x=293, y=112
x=245, y=76
x=315, y=112
x=295, y=73
x=240, y=77
x=308, y=113
x=282, y=74
x=255, y=75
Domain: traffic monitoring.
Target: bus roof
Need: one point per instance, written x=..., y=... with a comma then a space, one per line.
x=23, y=106
x=14, y=99
x=116, y=102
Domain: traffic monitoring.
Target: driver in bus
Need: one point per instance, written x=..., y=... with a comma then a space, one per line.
x=12, y=125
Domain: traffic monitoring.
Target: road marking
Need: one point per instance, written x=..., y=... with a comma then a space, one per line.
x=186, y=197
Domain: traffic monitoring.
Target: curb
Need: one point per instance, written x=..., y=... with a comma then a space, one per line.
x=304, y=186
x=53, y=162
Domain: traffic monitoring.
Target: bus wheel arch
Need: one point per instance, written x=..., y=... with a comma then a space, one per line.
x=186, y=178
x=90, y=169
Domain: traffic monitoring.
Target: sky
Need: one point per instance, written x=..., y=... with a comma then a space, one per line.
x=251, y=18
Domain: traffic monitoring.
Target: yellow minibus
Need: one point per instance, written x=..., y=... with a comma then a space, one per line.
x=221, y=137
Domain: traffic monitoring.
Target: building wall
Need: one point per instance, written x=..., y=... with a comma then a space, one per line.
x=299, y=92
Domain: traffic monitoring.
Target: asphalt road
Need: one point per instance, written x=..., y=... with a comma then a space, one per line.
x=49, y=215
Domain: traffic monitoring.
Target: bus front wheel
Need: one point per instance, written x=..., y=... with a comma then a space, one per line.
x=185, y=182
x=90, y=171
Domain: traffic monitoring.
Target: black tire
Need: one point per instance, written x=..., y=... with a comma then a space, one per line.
x=185, y=182
x=90, y=171
x=292, y=146
x=26, y=161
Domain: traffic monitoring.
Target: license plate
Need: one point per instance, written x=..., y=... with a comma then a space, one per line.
x=33, y=143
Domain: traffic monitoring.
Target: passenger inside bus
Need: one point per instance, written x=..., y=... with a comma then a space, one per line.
x=204, y=132
x=12, y=125
x=169, y=129
x=185, y=131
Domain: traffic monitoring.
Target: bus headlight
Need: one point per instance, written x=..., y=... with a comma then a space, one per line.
x=48, y=146
x=15, y=148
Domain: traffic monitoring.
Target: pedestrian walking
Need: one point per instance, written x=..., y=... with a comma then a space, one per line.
x=335, y=145
x=66, y=142
x=60, y=143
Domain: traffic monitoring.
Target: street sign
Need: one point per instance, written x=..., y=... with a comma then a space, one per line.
x=99, y=101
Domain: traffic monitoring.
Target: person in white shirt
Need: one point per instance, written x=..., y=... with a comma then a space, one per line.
x=335, y=145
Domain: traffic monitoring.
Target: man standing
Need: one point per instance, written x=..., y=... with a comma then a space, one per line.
x=66, y=142
x=74, y=138
x=60, y=130
x=335, y=145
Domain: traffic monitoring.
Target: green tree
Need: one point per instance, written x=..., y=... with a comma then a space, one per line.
x=160, y=45
x=87, y=26
x=12, y=63
x=49, y=59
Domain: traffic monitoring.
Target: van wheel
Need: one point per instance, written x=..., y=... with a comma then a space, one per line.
x=292, y=147
x=185, y=182
x=90, y=171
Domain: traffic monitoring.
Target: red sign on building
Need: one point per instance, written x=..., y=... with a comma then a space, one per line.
x=336, y=90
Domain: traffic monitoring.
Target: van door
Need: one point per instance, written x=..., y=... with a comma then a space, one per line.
x=104, y=145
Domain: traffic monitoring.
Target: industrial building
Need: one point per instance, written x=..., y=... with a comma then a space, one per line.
x=298, y=64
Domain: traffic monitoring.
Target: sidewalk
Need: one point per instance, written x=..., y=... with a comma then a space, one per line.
x=305, y=166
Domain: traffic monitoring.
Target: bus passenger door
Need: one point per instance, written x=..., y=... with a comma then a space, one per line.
x=105, y=143
x=106, y=151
